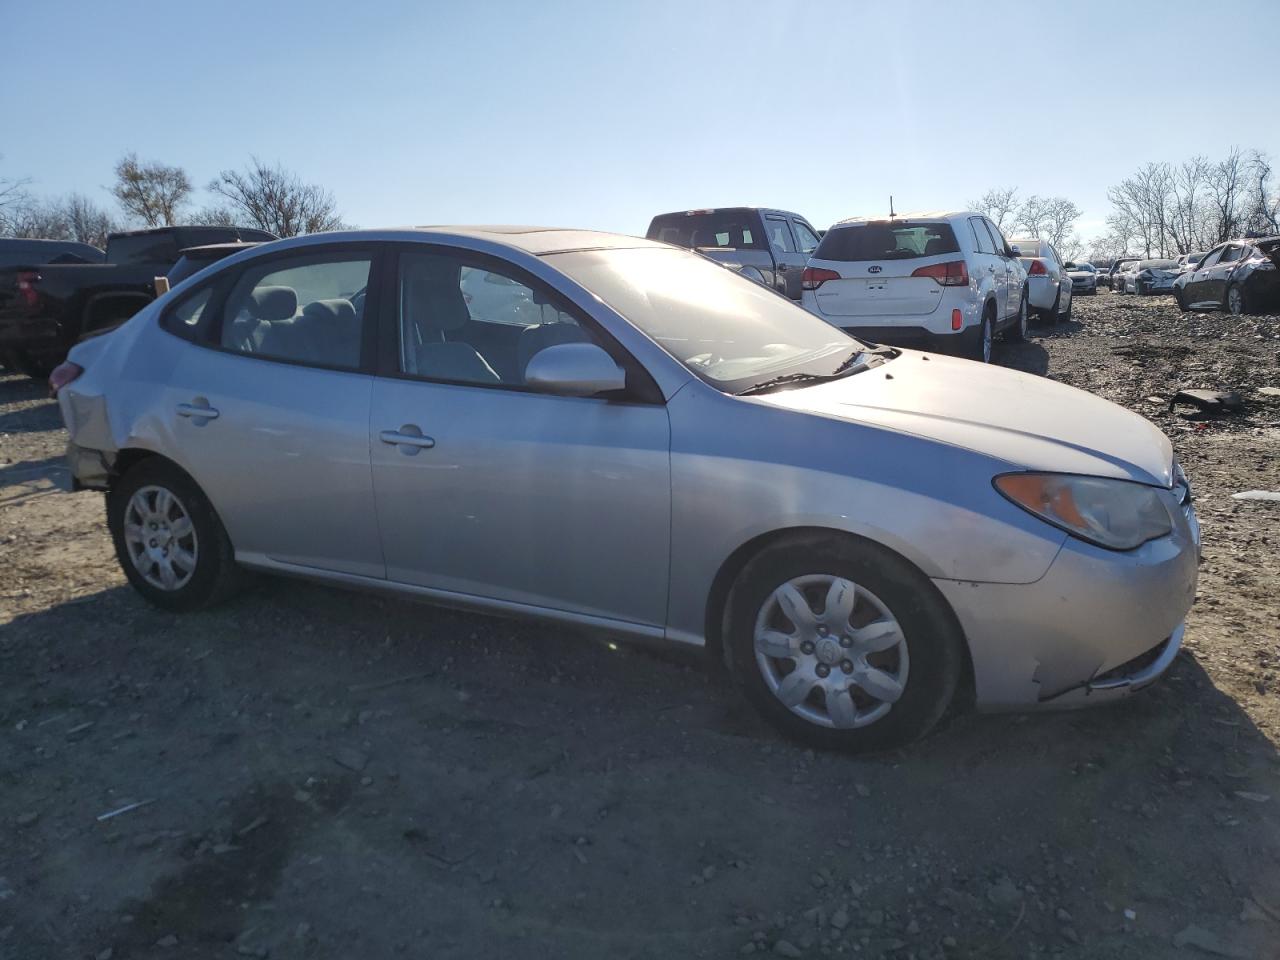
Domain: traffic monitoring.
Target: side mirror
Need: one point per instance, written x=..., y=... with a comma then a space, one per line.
x=1014, y=252
x=574, y=370
x=1070, y=265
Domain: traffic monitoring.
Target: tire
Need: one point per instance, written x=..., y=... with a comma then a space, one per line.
x=1236, y=301
x=210, y=577
x=1065, y=317
x=911, y=657
x=978, y=344
x=1018, y=332
x=1182, y=304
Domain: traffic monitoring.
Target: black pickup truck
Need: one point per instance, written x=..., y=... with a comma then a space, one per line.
x=765, y=245
x=46, y=308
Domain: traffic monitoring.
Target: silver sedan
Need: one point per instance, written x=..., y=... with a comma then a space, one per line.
x=631, y=438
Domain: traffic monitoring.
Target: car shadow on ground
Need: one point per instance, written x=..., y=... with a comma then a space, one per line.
x=27, y=418
x=492, y=780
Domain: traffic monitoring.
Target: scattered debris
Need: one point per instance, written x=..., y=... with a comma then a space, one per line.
x=1202, y=939
x=785, y=948
x=125, y=809
x=1257, y=495
x=380, y=684
x=351, y=758
x=1251, y=796
x=1209, y=401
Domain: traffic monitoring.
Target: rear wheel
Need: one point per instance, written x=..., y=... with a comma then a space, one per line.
x=1237, y=302
x=168, y=538
x=842, y=644
x=1065, y=317
x=1018, y=332
x=978, y=346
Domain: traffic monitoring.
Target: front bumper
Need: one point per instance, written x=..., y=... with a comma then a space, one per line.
x=1097, y=626
x=1155, y=286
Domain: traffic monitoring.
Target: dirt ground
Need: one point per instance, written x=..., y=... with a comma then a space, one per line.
x=325, y=774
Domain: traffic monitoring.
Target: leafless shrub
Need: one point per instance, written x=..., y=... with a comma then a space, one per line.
x=274, y=199
x=154, y=193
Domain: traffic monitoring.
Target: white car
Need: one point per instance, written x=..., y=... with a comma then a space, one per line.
x=1048, y=287
x=945, y=280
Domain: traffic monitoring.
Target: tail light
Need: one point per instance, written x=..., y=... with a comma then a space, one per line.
x=27, y=292
x=953, y=273
x=63, y=374
x=814, y=277
x=1036, y=269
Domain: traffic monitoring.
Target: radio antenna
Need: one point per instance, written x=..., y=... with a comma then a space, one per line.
x=891, y=213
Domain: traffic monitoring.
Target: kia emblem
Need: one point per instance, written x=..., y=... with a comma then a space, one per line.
x=875, y=269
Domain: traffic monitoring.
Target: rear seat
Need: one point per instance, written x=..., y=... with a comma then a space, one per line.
x=265, y=307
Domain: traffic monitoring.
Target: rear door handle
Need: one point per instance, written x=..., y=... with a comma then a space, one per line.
x=197, y=411
x=407, y=436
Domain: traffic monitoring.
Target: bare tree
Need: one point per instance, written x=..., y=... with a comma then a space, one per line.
x=86, y=221
x=999, y=204
x=1262, y=206
x=1049, y=217
x=275, y=199
x=1226, y=192
x=13, y=195
x=215, y=216
x=154, y=192
x=39, y=220
x=1142, y=205
x=1186, y=218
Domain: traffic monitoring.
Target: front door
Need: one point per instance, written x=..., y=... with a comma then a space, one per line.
x=1195, y=290
x=487, y=488
x=269, y=410
x=1215, y=281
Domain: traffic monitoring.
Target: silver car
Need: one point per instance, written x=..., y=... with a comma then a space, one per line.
x=668, y=452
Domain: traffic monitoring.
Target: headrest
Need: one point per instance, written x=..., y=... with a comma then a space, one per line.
x=331, y=312
x=273, y=303
x=433, y=300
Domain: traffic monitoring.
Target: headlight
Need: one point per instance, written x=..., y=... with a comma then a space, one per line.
x=1115, y=514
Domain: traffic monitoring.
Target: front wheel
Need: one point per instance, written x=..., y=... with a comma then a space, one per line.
x=1180, y=300
x=170, y=543
x=842, y=644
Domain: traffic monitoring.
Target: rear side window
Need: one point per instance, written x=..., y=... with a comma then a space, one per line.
x=183, y=319
x=1230, y=254
x=981, y=236
x=780, y=237
x=306, y=310
x=723, y=229
x=805, y=237
x=142, y=248
x=887, y=241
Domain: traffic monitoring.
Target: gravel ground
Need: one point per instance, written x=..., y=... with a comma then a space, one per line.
x=326, y=774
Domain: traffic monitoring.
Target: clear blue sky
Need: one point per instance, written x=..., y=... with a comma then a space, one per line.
x=602, y=113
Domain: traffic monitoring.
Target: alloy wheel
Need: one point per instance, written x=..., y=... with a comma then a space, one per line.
x=160, y=538
x=1235, y=301
x=831, y=651
x=988, y=334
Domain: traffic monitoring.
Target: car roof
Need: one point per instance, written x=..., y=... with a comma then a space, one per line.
x=538, y=241
x=917, y=215
x=218, y=249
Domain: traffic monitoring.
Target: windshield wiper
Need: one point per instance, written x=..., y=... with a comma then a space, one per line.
x=856, y=363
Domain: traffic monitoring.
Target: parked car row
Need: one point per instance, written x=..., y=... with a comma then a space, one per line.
x=1239, y=276
x=53, y=294
x=949, y=281
x=608, y=432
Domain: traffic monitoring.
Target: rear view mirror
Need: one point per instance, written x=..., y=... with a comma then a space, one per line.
x=574, y=370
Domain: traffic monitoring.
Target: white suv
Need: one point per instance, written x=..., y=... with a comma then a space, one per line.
x=943, y=280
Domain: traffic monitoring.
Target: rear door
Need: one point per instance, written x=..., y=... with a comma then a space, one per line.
x=1195, y=291
x=269, y=407
x=990, y=262
x=1215, y=281
x=786, y=254
x=1015, y=274
x=884, y=269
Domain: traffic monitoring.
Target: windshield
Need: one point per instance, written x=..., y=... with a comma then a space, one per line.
x=1157, y=265
x=730, y=332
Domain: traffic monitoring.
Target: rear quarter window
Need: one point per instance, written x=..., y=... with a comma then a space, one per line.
x=727, y=230
x=886, y=241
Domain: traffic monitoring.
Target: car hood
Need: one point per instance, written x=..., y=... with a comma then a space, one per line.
x=1027, y=421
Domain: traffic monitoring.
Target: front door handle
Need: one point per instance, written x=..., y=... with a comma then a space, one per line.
x=409, y=438
x=197, y=411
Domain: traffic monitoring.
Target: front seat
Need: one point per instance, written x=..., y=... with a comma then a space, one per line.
x=433, y=305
